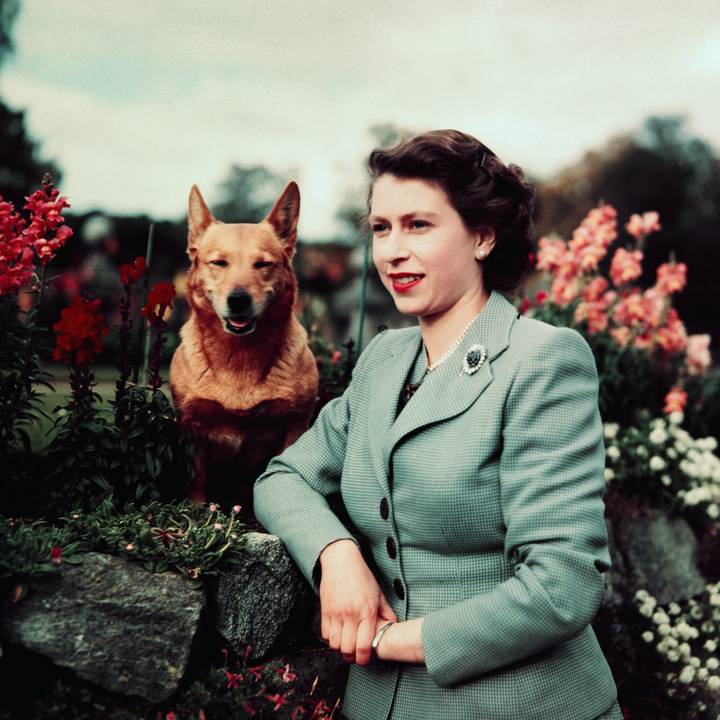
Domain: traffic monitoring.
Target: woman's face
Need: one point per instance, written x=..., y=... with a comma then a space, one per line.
x=416, y=230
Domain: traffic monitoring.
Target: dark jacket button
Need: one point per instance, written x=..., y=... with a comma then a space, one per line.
x=392, y=550
x=384, y=508
x=399, y=588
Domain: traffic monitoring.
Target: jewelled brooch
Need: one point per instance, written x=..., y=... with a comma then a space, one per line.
x=474, y=358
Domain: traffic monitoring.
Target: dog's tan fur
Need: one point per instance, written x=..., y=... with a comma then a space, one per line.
x=243, y=397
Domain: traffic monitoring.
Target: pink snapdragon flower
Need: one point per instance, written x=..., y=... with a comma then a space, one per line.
x=675, y=401
x=639, y=226
x=626, y=266
x=697, y=351
x=671, y=277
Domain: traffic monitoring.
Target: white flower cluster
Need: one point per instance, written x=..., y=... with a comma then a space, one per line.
x=675, y=631
x=669, y=449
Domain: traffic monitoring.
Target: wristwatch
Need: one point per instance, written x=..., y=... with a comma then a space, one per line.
x=378, y=636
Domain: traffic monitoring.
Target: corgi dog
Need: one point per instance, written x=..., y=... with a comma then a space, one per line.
x=243, y=378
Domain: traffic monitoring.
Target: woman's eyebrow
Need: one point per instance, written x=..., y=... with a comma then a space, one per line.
x=372, y=218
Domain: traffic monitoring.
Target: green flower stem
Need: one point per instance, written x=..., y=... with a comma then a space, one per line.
x=43, y=274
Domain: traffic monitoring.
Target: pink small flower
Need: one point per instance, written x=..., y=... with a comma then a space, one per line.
x=217, y=526
x=286, y=673
x=335, y=358
x=256, y=671
x=237, y=508
x=234, y=679
x=130, y=547
x=213, y=507
x=540, y=297
x=278, y=698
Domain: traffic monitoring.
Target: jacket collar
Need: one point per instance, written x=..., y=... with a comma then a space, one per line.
x=444, y=393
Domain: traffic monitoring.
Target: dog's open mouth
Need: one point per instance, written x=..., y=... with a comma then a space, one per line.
x=240, y=326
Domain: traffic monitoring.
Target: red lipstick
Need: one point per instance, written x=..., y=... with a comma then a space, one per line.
x=403, y=287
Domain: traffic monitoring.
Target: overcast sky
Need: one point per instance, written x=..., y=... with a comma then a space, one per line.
x=137, y=101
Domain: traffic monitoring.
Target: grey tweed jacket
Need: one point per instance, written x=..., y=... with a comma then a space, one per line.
x=480, y=508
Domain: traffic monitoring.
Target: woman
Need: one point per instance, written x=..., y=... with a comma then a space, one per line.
x=469, y=455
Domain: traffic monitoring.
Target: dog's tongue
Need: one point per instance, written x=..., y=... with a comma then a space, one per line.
x=238, y=323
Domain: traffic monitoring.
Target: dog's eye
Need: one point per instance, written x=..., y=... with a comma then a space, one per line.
x=263, y=263
x=219, y=263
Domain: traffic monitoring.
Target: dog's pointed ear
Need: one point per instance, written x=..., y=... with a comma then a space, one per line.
x=284, y=217
x=199, y=217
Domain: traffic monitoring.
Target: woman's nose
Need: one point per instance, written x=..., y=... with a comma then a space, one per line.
x=392, y=246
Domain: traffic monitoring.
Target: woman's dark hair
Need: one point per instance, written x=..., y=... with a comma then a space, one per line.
x=482, y=189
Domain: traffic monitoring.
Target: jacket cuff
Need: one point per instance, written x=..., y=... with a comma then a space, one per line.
x=303, y=545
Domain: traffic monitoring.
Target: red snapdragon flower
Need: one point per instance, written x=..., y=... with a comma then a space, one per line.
x=159, y=299
x=80, y=331
x=45, y=235
x=130, y=273
x=56, y=555
x=46, y=231
x=16, y=255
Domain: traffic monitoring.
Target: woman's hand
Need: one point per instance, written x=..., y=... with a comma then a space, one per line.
x=351, y=602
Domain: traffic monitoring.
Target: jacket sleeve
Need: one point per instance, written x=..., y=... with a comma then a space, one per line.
x=289, y=497
x=551, y=474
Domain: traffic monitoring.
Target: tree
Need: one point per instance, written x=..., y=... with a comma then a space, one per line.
x=249, y=193
x=21, y=170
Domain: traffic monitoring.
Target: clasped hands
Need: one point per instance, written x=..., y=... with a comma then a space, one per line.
x=353, y=608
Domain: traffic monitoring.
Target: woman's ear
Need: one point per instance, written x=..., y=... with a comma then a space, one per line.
x=484, y=244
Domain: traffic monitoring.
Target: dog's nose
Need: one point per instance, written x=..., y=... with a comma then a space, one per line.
x=239, y=301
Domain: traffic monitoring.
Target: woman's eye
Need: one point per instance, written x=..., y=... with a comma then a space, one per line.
x=422, y=222
x=377, y=227
x=219, y=263
x=262, y=264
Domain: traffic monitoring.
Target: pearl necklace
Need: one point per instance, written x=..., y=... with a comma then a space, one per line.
x=409, y=390
x=453, y=347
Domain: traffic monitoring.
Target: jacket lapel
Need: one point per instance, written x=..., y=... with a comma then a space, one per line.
x=444, y=393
